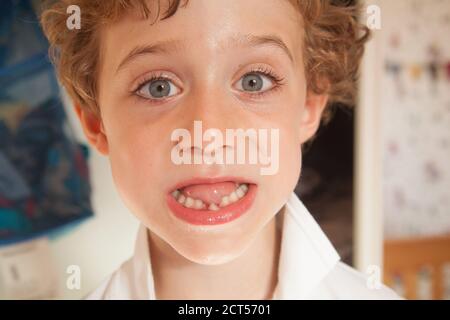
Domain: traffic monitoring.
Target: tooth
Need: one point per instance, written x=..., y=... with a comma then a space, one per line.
x=240, y=193
x=176, y=194
x=224, y=202
x=189, y=202
x=181, y=199
x=244, y=187
x=233, y=197
x=213, y=207
x=198, y=204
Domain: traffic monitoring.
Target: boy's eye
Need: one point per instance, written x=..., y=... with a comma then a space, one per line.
x=157, y=89
x=255, y=82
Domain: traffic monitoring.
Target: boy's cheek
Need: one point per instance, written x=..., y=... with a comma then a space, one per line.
x=137, y=161
x=290, y=160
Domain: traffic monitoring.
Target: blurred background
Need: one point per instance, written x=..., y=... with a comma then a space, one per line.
x=376, y=178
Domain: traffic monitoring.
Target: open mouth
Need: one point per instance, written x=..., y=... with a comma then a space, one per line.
x=211, y=202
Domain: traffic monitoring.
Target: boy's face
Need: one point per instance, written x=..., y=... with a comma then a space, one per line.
x=231, y=65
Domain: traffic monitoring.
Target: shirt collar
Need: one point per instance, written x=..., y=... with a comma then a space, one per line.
x=306, y=256
x=141, y=267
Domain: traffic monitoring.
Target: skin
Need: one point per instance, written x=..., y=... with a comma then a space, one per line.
x=234, y=260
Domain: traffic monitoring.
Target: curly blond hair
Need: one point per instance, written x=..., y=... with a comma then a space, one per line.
x=333, y=44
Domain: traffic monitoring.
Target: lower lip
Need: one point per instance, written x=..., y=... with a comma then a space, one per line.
x=209, y=217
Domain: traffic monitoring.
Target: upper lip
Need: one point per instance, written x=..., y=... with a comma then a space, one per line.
x=206, y=180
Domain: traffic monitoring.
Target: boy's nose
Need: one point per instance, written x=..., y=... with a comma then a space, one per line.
x=215, y=108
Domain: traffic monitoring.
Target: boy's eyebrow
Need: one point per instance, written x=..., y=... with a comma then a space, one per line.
x=155, y=48
x=164, y=47
x=251, y=40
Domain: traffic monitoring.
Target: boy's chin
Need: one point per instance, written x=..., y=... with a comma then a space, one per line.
x=212, y=254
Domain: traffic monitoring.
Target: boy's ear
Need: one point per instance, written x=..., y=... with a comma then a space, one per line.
x=311, y=115
x=93, y=129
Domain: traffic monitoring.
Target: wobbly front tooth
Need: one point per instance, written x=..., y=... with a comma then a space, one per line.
x=224, y=202
x=181, y=199
x=213, y=207
x=198, y=204
x=243, y=187
x=189, y=203
x=233, y=197
x=176, y=194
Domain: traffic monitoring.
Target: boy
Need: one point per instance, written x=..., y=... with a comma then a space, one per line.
x=202, y=107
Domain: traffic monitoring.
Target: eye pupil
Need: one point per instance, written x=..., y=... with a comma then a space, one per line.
x=159, y=88
x=252, y=82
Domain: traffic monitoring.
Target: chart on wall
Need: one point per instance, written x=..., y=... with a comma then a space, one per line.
x=415, y=103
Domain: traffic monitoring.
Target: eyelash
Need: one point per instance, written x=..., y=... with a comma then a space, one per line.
x=148, y=79
x=266, y=71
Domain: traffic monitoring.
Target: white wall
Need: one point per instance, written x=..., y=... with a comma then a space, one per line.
x=99, y=245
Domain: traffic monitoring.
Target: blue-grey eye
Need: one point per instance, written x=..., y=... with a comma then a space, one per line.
x=255, y=82
x=157, y=89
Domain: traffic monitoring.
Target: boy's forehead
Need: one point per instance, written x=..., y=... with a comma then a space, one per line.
x=213, y=23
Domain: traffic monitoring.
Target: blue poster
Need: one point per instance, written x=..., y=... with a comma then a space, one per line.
x=44, y=178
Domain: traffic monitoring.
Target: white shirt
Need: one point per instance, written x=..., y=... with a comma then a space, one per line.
x=309, y=266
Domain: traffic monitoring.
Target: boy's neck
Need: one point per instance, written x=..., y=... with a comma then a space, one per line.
x=253, y=275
